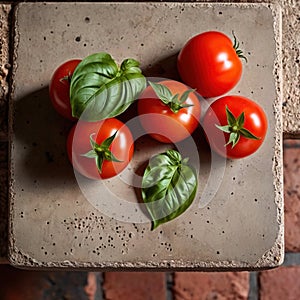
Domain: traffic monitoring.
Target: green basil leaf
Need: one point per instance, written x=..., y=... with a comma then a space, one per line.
x=169, y=187
x=100, y=89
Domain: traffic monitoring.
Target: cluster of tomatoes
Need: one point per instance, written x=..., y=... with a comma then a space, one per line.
x=169, y=111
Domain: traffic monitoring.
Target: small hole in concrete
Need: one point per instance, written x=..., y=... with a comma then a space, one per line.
x=255, y=200
x=87, y=20
x=218, y=252
x=220, y=13
x=78, y=38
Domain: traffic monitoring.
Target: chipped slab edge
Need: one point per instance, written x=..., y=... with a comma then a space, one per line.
x=4, y=90
x=272, y=258
x=291, y=68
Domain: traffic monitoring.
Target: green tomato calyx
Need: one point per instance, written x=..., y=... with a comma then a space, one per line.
x=235, y=128
x=236, y=46
x=101, y=152
x=174, y=102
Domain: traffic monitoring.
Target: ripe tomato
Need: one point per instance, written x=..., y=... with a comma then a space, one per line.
x=210, y=63
x=100, y=150
x=235, y=126
x=59, y=88
x=166, y=117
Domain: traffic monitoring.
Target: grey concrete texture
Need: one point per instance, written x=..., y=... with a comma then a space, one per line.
x=51, y=222
x=291, y=103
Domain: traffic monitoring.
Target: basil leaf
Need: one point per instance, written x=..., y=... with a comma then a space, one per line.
x=169, y=187
x=100, y=89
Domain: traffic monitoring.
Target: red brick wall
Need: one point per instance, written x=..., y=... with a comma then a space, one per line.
x=282, y=283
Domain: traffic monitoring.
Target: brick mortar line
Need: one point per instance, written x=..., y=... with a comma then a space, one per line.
x=253, y=286
x=292, y=259
x=293, y=146
x=169, y=286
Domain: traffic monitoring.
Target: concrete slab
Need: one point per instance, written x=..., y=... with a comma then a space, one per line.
x=54, y=222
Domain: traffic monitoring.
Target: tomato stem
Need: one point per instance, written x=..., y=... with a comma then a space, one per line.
x=101, y=152
x=66, y=78
x=236, y=46
x=174, y=101
x=235, y=128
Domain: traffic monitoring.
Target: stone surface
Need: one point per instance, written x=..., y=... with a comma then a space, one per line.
x=51, y=222
x=134, y=286
x=292, y=195
x=280, y=283
x=221, y=286
x=291, y=113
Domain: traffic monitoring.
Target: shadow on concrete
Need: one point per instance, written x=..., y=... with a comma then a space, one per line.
x=39, y=139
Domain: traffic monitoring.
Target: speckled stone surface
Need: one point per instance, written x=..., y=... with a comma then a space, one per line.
x=51, y=222
x=291, y=102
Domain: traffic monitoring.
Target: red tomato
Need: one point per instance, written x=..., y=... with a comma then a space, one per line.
x=79, y=147
x=59, y=88
x=222, y=128
x=210, y=63
x=163, y=124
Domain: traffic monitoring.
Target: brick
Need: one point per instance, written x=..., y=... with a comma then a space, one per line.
x=221, y=286
x=21, y=285
x=134, y=286
x=280, y=283
x=16, y=284
x=292, y=198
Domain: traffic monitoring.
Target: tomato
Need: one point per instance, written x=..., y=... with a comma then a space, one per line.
x=100, y=150
x=210, y=63
x=235, y=126
x=59, y=88
x=172, y=119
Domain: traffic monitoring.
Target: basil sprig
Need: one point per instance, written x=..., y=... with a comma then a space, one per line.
x=169, y=187
x=101, y=89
